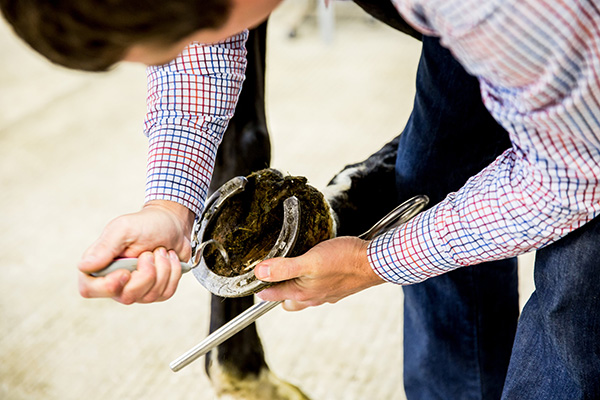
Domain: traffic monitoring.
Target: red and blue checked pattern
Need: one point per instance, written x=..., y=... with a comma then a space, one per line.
x=538, y=63
x=190, y=102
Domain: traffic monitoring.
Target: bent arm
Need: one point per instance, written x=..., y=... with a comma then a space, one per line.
x=538, y=70
x=190, y=103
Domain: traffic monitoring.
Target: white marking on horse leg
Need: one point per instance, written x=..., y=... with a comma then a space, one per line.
x=266, y=385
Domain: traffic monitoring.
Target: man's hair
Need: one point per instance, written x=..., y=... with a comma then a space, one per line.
x=92, y=35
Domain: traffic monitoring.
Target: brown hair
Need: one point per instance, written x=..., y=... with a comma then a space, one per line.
x=93, y=35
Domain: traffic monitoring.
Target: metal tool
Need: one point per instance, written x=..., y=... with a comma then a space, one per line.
x=395, y=218
x=223, y=333
x=130, y=264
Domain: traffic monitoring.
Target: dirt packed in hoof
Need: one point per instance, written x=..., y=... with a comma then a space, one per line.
x=249, y=223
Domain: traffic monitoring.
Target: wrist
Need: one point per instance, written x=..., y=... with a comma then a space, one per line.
x=181, y=213
x=363, y=256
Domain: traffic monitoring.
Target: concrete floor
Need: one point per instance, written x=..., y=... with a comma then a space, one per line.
x=72, y=157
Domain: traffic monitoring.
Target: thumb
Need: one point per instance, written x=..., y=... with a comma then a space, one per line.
x=279, y=269
x=108, y=247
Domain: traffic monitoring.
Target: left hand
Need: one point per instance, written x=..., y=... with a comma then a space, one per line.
x=327, y=273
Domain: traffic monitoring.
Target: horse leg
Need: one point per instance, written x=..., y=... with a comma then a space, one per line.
x=362, y=193
x=237, y=368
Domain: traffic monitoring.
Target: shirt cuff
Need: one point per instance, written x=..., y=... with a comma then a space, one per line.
x=411, y=253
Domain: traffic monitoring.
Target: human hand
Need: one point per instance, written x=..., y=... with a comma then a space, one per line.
x=159, y=235
x=328, y=272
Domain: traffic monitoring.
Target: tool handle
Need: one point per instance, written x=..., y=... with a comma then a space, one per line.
x=129, y=264
x=224, y=333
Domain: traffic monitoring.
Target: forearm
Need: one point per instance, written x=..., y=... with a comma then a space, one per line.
x=508, y=209
x=538, y=79
x=190, y=103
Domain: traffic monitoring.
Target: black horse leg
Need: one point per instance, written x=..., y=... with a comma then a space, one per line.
x=245, y=148
x=237, y=368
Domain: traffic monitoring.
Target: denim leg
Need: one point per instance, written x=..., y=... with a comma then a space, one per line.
x=458, y=327
x=557, y=347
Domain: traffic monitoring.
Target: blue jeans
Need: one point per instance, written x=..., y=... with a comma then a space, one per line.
x=459, y=328
x=557, y=348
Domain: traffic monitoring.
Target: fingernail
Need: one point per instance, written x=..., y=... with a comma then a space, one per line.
x=173, y=255
x=262, y=271
x=150, y=257
x=162, y=252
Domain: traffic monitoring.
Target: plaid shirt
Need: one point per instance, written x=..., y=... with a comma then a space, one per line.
x=538, y=62
x=190, y=102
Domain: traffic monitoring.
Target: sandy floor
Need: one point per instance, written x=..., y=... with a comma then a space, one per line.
x=72, y=157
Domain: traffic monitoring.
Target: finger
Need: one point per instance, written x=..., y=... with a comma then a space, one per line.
x=292, y=305
x=162, y=265
x=279, y=269
x=108, y=286
x=174, y=277
x=282, y=291
x=142, y=280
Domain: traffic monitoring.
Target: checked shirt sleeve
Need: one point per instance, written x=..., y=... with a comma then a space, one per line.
x=538, y=63
x=190, y=102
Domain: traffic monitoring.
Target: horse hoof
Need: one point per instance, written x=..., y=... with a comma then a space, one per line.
x=264, y=386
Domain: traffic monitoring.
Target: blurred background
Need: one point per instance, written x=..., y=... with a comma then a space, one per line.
x=72, y=157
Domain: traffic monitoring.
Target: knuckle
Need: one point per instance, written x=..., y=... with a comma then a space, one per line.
x=113, y=287
x=151, y=296
x=167, y=294
x=126, y=299
x=119, y=222
x=295, y=268
x=185, y=252
x=162, y=298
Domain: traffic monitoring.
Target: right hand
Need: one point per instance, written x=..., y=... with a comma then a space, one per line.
x=158, y=235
